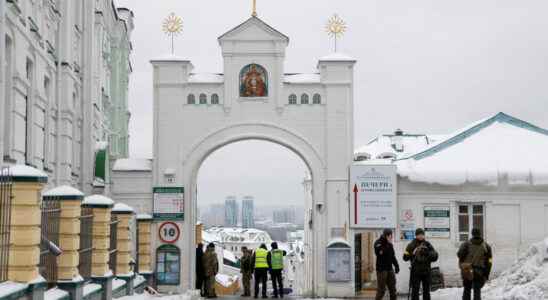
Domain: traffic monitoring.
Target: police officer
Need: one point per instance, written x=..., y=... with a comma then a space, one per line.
x=275, y=261
x=246, y=268
x=421, y=254
x=211, y=268
x=260, y=264
x=476, y=260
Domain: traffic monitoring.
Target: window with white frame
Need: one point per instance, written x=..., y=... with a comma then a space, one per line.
x=317, y=99
x=292, y=99
x=214, y=99
x=470, y=216
x=304, y=99
x=191, y=99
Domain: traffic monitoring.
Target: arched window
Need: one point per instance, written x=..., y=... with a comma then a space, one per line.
x=191, y=99
x=214, y=99
x=253, y=81
x=317, y=99
x=203, y=99
x=304, y=99
x=168, y=261
x=292, y=99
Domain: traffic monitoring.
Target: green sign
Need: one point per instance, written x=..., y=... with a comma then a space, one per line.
x=168, y=203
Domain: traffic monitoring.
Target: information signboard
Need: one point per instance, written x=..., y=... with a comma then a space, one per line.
x=168, y=203
x=373, y=195
x=339, y=264
x=437, y=222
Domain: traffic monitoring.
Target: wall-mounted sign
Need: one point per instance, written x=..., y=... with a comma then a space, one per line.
x=169, y=232
x=407, y=224
x=373, y=196
x=168, y=203
x=437, y=222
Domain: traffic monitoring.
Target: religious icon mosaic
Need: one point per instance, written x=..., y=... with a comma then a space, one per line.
x=253, y=81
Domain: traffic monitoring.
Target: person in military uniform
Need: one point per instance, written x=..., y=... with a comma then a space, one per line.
x=246, y=268
x=200, y=268
x=387, y=265
x=475, y=260
x=260, y=264
x=275, y=259
x=211, y=268
x=421, y=254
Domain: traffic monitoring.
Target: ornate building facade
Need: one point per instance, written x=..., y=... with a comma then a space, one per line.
x=65, y=66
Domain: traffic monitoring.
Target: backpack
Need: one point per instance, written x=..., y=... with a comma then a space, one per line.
x=474, y=260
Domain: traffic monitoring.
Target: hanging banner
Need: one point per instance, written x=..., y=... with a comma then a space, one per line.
x=373, y=196
x=437, y=222
x=168, y=203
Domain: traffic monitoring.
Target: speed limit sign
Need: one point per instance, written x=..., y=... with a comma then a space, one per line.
x=169, y=232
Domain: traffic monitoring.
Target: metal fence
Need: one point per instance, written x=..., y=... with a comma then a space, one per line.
x=113, y=250
x=49, y=249
x=86, y=245
x=5, y=221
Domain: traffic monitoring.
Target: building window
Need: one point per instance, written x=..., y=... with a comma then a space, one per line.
x=203, y=99
x=191, y=99
x=29, y=69
x=304, y=99
x=292, y=99
x=167, y=265
x=470, y=216
x=317, y=99
x=214, y=99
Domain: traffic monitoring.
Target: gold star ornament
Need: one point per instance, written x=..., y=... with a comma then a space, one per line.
x=335, y=27
x=173, y=25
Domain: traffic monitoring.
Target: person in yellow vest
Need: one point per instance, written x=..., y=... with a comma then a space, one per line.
x=260, y=264
x=275, y=261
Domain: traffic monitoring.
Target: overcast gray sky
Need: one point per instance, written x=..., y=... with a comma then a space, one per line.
x=424, y=66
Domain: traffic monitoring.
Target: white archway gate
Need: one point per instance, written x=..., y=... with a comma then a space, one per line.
x=310, y=114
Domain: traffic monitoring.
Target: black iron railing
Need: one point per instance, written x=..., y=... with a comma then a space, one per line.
x=49, y=244
x=113, y=250
x=5, y=221
x=86, y=244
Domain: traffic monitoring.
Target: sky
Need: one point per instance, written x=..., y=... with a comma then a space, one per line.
x=426, y=66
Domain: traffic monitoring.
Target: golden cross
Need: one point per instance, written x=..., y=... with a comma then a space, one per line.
x=254, y=13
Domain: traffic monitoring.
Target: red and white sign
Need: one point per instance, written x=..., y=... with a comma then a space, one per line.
x=169, y=232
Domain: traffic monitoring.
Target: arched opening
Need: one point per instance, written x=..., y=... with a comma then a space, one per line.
x=268, y=183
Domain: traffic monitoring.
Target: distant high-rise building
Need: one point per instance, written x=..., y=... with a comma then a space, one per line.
x=231, y=211
x=214, y=215
x=284, y=215
x=248, y=216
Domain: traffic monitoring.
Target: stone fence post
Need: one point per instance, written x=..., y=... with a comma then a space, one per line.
x=100, y=272
x=24, y=249
x=144, y=248
x=124, y=269
x=70, y=199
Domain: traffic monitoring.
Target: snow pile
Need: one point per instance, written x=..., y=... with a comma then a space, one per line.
x=98, y=200
x=64, y=190
x=226, y=280
x=526, y=279
x=25, y=171
x=302, y=78
x=206, y=78
x=122, y=208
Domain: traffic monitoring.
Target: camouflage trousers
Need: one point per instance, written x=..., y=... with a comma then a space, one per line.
x=210, y=286
x=246, y=281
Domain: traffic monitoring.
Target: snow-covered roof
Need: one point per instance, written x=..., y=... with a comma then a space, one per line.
x=144, y=217
x=132, y=164
x=64, y=191
x=24, y=172
x=169, y=57
x=494, y=148
x=98, y=200
x=206, y=78
x=384, y=146
x=122, y=208
x=228, y=255
x=302, y=78
x=337, y=56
